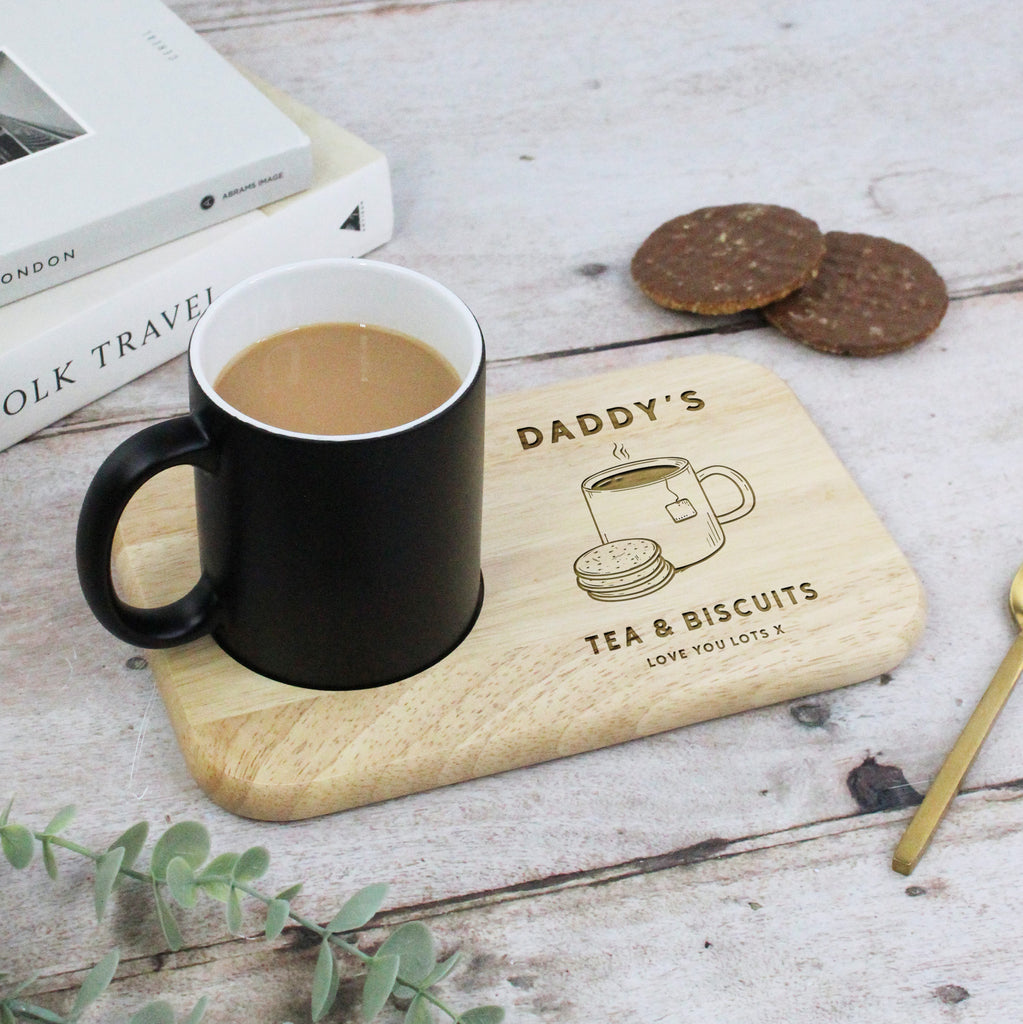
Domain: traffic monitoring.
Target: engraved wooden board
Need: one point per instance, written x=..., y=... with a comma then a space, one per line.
x=662, y=545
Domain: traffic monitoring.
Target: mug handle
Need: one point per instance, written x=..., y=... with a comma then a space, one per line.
x=175, y=442
x=745, y=506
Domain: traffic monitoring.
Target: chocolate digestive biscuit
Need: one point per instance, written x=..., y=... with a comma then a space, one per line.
x=723, y=259
x=870, y=296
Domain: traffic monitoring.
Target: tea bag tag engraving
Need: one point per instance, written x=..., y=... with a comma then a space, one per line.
x=681, y=510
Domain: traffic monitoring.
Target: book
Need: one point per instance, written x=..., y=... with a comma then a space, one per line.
x=121, y=129
x=65, y=347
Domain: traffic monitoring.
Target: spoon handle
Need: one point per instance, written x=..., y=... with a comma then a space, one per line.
x=946, y=783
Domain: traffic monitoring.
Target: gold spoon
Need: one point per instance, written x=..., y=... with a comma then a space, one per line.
x=949, y=778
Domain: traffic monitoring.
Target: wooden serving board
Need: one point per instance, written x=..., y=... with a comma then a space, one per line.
x=617, y=604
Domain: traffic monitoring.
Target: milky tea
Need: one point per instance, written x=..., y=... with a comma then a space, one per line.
x=337, y=378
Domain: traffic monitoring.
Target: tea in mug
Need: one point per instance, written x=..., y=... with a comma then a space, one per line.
x=635, y=478
x=337, y=378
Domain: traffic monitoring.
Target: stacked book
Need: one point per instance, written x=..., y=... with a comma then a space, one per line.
x=141, y=175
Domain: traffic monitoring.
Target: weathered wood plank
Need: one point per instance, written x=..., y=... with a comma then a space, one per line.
x=812, y=927
x=534, y=145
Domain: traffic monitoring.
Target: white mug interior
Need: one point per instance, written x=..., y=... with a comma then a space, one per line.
x=338, y=290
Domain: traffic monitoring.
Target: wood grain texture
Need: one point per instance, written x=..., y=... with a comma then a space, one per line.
x=547, y=670
x=804, y=927
x=588, y=127
x=533, y=146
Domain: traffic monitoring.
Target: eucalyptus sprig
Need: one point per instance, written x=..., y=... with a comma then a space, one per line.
x=13, y=1007
x=180, y=870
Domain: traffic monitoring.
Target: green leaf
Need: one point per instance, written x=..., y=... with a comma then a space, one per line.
x=379, y=983
x=482, y=1015
x=154, y=1013
x=442, y=970
x=7, y=1015
x=277, y=913
x=252, y=864
x=198, y=1012
x=419, y=1012
x=219, y=891
x=40, y=1013
x=95, y=983
x=49, y=860
x=107, y=868
x=60, y=820
x=187, y=839
x=132, y=841
x=290, y=893
x=168, y=925
x=414, y=944
x=181, y=882
x=215, y=877
x=334, y=985
x=358, y=910
x=325, y=981
x=234, y=912
x=18, y=845
x=221, y=867
x=6, y=813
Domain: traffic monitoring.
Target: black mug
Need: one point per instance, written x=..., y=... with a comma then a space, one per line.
x=333, y=562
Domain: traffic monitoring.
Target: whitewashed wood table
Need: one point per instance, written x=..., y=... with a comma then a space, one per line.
x=721, y=872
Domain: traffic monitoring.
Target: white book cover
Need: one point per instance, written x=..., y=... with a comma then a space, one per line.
x=65, y=347
x=121, y=129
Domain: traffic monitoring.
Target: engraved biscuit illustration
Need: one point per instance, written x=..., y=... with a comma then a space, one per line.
x=621, y=570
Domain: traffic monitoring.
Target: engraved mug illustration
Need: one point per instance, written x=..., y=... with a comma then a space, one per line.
x=663, y=499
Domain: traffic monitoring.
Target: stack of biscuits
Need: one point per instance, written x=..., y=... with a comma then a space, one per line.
x=621, y=570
